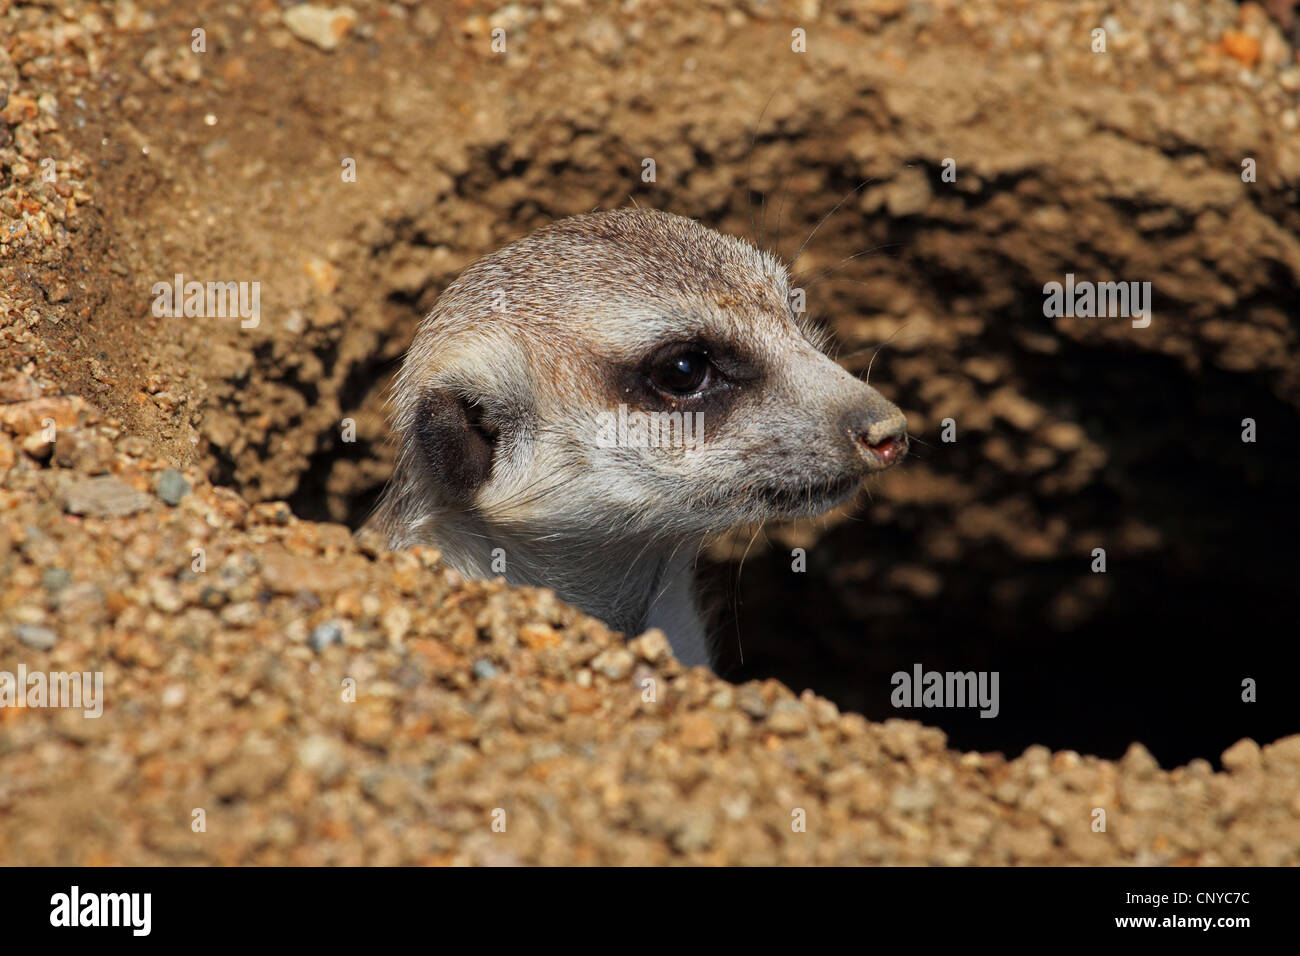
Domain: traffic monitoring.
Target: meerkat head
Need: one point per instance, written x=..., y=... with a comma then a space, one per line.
x=631, y=373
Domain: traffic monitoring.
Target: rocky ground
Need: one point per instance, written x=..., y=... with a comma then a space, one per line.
x=321, y=701
x=318, y=700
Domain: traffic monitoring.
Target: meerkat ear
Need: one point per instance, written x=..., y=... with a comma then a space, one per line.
x=459, y=447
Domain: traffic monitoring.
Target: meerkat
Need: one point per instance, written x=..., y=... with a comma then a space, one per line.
x=512, y=405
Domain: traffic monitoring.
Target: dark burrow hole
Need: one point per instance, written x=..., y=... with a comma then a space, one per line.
x=1162, y=659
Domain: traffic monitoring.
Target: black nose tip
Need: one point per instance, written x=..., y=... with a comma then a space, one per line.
x=881, y=441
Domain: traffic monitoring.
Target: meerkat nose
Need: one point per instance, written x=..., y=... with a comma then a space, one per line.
x=880, y=440
x=891, y=448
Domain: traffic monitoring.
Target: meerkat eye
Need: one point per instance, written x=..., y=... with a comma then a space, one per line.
x=681, y=373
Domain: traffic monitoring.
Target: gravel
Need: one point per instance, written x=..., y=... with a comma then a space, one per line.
x=323, y=701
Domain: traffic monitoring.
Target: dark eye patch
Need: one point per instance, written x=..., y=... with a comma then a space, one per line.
x=639, y=383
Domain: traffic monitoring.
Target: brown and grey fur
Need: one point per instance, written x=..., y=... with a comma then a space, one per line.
x=496, y=405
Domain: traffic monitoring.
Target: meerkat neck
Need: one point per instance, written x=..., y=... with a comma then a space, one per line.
x=675, y=610
x=630, y=585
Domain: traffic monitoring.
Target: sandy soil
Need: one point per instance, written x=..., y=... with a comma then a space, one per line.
x=223, y=687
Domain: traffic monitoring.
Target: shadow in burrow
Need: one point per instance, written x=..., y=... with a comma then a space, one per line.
x=1160, y=656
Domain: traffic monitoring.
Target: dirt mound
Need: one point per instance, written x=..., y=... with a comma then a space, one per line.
x=275, y=692
x=353, y=183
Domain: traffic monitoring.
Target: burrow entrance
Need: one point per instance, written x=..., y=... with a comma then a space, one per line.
x=1156, y=650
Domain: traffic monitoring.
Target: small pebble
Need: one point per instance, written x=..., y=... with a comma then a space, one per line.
x=325, y=635
x=36, y=637
x=55, y=580
x=103, y=498
x=321, y=26
x=172, y=486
